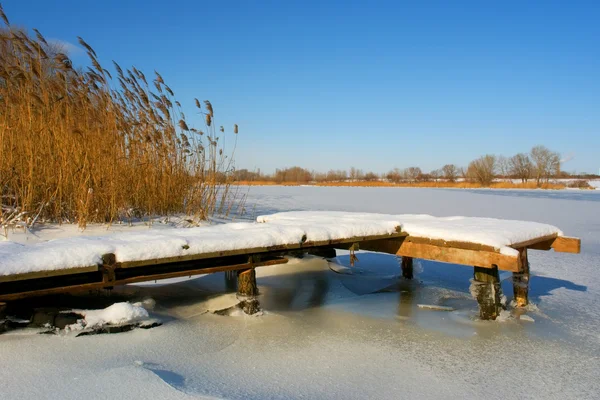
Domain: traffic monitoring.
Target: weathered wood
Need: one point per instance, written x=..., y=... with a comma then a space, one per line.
x=521, y=281
x=564, y=244
x=140, y=278
x=47, y=274
x=536, y=241
x=246, y=283
x=485, y=287
x=404, y=248
x=257, y=250
x=407, y=267
x=560, y=244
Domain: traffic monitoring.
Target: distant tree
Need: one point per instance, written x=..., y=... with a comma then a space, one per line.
x=334, y=176
x=482, y=170
x=412, y=173
x=435, y=174
x=546, y=163
x=450, y=172
x=520, y=167
x=371, y=176
x=503, y=164
x=394, y=175
x=293, y=175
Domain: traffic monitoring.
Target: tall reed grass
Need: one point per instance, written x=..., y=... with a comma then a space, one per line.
x=79, y=145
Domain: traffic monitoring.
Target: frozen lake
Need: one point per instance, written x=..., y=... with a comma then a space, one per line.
x=331, y=331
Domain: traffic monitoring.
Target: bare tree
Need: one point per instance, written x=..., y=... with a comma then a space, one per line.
x=394, y=175
x=520, y=167
x=413, y=173
x=482, y=170
x=546, y=163
x=450, y=172
x=435, y=174
x=371, y=176
x=503, y=164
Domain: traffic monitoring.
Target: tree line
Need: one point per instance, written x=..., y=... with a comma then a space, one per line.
x=539, y=165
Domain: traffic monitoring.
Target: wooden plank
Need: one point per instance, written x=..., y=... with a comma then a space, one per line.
x=479, y=258
x=565, y=244
x=534, y=242
x=47, y=274
x=452, y=244
x=560, y=244
x=137, y=279
x=256, y=250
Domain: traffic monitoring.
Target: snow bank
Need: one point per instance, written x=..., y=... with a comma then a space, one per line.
x=116, y=314
x=281, y=229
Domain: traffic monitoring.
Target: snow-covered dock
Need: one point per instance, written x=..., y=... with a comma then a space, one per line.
x=86, y=262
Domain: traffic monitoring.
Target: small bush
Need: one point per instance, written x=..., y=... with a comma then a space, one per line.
x=579, y=184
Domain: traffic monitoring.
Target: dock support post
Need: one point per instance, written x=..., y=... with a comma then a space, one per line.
x=247, y=291
x=407, y=267
x=521, y=281
x=246, y=283
x=486, y=289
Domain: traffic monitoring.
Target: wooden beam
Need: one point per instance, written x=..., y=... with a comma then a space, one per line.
x=564, y=244
x=47, y=274
x=256, y=250
x=536, y=241
x=481, y=258
x=136, y=279
x=560, y=244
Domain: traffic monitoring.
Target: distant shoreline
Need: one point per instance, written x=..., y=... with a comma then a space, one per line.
x=432, y=185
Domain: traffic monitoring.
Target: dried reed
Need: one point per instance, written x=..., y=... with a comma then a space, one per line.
x=75, y=147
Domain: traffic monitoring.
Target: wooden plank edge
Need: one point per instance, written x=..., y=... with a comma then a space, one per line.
x=479, y=258
x=256, y=250
x=47, y=273
x=560, y=244
x=143, y=278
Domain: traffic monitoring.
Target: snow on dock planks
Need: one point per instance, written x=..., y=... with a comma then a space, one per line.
x=89, y=263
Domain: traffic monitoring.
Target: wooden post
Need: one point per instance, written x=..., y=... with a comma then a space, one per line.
x=407, y=267
x=246, y=283
x=521, y=281
x=486, y=289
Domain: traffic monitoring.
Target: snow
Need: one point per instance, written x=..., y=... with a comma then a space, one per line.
x=116, y=314
x=281, y=229
x=354, y=335
x=497, y=233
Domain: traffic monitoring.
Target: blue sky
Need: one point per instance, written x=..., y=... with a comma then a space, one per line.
x=375, y=85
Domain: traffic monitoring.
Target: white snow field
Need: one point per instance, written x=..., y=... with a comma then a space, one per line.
x=333, y=331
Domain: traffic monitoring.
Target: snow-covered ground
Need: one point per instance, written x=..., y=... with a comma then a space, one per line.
x=334, y=331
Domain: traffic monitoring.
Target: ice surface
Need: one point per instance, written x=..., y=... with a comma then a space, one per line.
x=361, y=335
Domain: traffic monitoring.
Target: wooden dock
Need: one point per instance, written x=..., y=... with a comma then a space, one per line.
x=486, y=261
